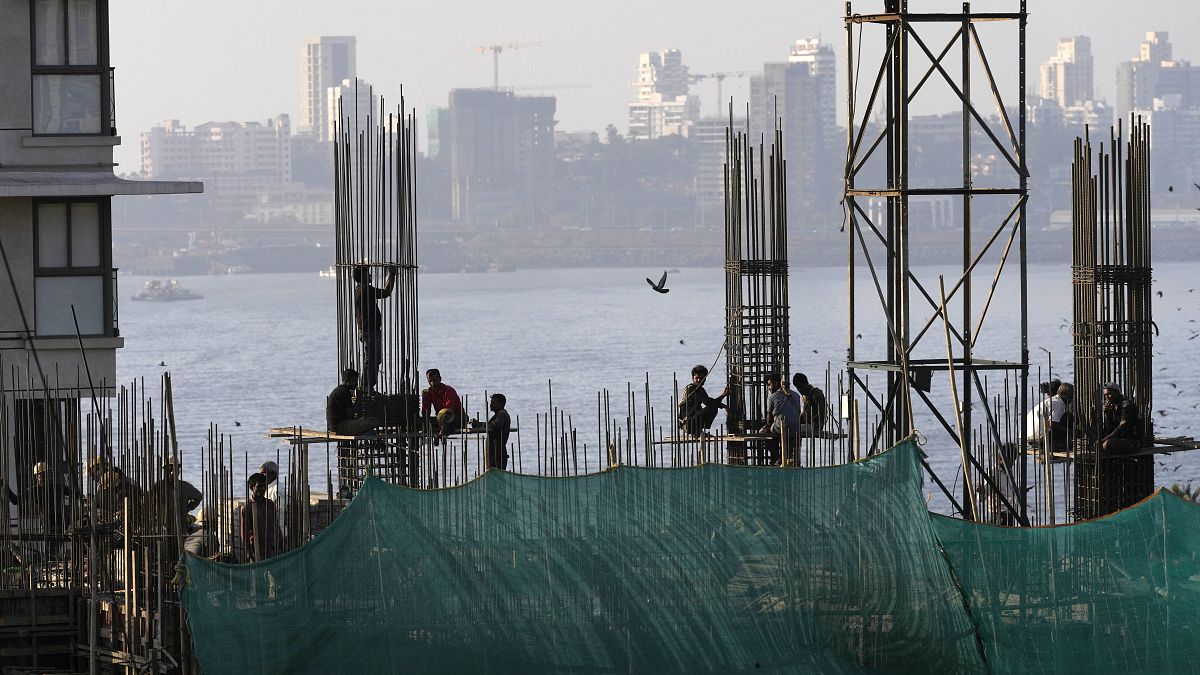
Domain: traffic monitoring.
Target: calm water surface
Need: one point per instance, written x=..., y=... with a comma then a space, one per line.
x=260, y=350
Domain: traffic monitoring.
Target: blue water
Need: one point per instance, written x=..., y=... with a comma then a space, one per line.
x=260, y=350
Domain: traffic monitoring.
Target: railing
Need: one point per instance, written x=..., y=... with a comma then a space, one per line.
x=116, y=327
x=112, y=104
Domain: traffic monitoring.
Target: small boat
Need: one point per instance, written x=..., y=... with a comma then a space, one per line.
x=329, y=273
x=165, y=290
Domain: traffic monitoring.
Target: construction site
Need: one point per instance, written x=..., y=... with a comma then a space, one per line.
x=448, y=542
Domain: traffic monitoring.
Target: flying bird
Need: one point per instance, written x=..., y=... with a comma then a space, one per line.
x=162, y=364
x=681, y=342
x=1197, y=185
x=237, y=423
x=1160, y=294
x=661, y=286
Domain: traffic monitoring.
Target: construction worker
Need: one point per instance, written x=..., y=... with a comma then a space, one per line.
x=497, y=428
x=339, y=408
x=174, y=498
x=47, y=498
x=259, y=524
x=202, y=540
x=697, y=410
x=369, y=320
x=443, y=402
x=783, y=420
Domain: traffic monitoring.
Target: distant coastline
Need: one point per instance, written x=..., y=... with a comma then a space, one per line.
x=505, y=250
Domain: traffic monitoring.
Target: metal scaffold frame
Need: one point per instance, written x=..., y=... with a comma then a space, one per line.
x=888, y=416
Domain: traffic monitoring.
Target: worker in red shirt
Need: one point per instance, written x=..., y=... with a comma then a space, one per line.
x=443, y=401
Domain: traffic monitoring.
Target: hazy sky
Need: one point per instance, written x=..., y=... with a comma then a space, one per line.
x=238, y=60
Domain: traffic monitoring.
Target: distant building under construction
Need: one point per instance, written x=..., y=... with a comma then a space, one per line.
x=501, y=150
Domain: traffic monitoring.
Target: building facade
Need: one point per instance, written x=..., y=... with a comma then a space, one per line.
x=802, y=93
x=1068, y=77
x=1155, y=74
x=350, y=101
x=172, y=151
x=662, y=105
x=325, y=62
x=59, y=328
x=501, y=150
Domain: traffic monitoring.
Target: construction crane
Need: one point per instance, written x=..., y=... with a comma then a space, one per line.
x=495, y=50
x=720, y=78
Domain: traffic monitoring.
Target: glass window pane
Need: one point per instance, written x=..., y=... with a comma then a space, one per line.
x=50, y=48
x=52, y=235
x=81, y=16
x=53, y=297
x=85, y=235
x=66, y=104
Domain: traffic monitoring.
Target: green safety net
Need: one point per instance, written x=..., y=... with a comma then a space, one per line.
x=1120, y=594
x=707, y=569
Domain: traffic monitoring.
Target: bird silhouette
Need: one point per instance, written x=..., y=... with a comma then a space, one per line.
x=661, y=286
x=1170, y=188
x=1160, y=294
x=162, y=364
x=1197, y=185
x=237, y=423
x=681, y=342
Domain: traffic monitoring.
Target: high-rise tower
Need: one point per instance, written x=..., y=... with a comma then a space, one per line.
x=325, y=62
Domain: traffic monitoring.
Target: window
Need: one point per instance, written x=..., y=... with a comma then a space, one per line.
x=71, y=84
x=73, y=267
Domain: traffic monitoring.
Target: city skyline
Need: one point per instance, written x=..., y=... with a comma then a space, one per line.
x=599, y=51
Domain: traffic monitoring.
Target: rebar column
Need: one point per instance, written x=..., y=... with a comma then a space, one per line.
x=756, y=277
x=1113, y=321
x=376, y=242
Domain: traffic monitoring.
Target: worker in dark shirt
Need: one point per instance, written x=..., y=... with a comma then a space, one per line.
x=812, y=419
x=48, y=499
x=1122, y=424
x=497, y=428
x=259, y=525
x=698, y=410
x=173, y=498
x=369, y=320
x=339, y=408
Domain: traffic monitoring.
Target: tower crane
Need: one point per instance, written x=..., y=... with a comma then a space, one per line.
x=720, y=78
x=495, y=50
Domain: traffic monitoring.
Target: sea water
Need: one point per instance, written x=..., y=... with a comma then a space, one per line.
x=259, y=351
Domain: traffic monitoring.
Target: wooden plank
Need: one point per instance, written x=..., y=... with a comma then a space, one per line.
x=735, y=438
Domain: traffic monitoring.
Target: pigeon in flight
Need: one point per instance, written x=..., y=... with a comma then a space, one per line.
x=661, y=286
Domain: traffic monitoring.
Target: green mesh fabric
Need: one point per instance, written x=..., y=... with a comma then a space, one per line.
x=1120, y=594
x=710, y=569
